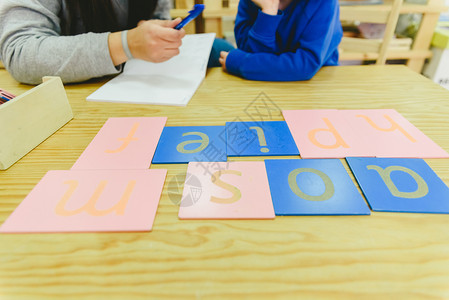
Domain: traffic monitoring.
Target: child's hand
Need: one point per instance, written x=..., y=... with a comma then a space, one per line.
x=222, y=59
x=268, y=6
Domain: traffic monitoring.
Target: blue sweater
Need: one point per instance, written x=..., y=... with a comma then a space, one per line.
x=290, y=46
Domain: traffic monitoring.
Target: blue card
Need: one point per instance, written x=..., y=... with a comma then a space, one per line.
x=190, y=143
x=269, y=138
x=313, y=187
x=400, y=185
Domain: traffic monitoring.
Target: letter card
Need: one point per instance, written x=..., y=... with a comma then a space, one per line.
x=389, y=134
x=400, y=185
x=89, y=201
x=269, y=138
x=233, y=190
x=324, y=134
x=122, y=143
x=184, y=144
x=313, y=187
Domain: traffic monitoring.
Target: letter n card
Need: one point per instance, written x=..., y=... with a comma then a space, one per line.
x=89, y=201
x=233, y=190
x=313, y=187
x=122, y=143
x=269, y=138
x=400, y=185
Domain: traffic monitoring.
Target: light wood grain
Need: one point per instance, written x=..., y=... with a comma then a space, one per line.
x=382, y=256
x=30, y=118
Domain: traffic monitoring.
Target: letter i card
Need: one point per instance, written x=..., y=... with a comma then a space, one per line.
x=270, y=138
x=400, y=185
x=89, y=201
x=233, y=190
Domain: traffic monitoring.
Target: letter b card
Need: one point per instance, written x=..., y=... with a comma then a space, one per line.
x=400, y=185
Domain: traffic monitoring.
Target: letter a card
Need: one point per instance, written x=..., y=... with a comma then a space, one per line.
x=324, y=134
x=313, y=187
x=389, y=134
x=184, y=144
x=400, y=185
x=89, y=201
x=122, y=143
x=233, y=190
x=269, y=138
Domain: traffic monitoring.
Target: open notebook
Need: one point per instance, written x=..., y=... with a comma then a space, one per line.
x=173, y=82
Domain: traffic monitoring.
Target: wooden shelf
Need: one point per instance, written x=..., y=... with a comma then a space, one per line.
x=419, y=51
x=406, y=8
x=411, y=54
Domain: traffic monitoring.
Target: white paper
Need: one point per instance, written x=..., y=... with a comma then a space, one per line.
x=173, y=82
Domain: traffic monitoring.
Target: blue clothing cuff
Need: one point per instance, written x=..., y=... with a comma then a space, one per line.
x=266, y=25
x=234, y=61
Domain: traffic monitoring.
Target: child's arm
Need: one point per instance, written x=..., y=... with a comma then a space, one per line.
x=318, y=47
x=255, y=31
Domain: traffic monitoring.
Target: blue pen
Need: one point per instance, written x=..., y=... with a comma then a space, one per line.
x=195, y=12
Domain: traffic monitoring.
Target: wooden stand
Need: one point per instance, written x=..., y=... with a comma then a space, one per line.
x=419, y=51
x=29, y=119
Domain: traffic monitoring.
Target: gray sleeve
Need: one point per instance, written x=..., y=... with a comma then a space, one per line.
x=31, y=45
x=163, y=10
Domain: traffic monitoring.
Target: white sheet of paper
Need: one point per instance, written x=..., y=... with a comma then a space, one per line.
x=173, y=82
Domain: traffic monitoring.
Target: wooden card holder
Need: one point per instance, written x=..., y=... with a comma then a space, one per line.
x=29, y=119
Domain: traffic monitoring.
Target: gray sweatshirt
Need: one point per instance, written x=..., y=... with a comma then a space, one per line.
x=31, y=45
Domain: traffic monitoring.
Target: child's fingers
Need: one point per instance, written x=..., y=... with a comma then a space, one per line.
x=223, y=63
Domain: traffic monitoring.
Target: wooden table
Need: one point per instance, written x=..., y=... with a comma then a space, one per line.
x=382, y=256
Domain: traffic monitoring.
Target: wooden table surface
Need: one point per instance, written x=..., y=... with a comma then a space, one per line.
x=382, y=256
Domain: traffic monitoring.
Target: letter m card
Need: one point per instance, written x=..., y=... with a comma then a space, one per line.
x=89, y=201
x=400, y=185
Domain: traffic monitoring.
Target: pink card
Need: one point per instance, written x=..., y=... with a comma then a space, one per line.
x=232, y=190
x=122, y=143
x=89, y=201
x=324, y=134
x=391, y=135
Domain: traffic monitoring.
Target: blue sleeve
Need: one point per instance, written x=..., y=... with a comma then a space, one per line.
x=255, y=31
x=318, y=45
